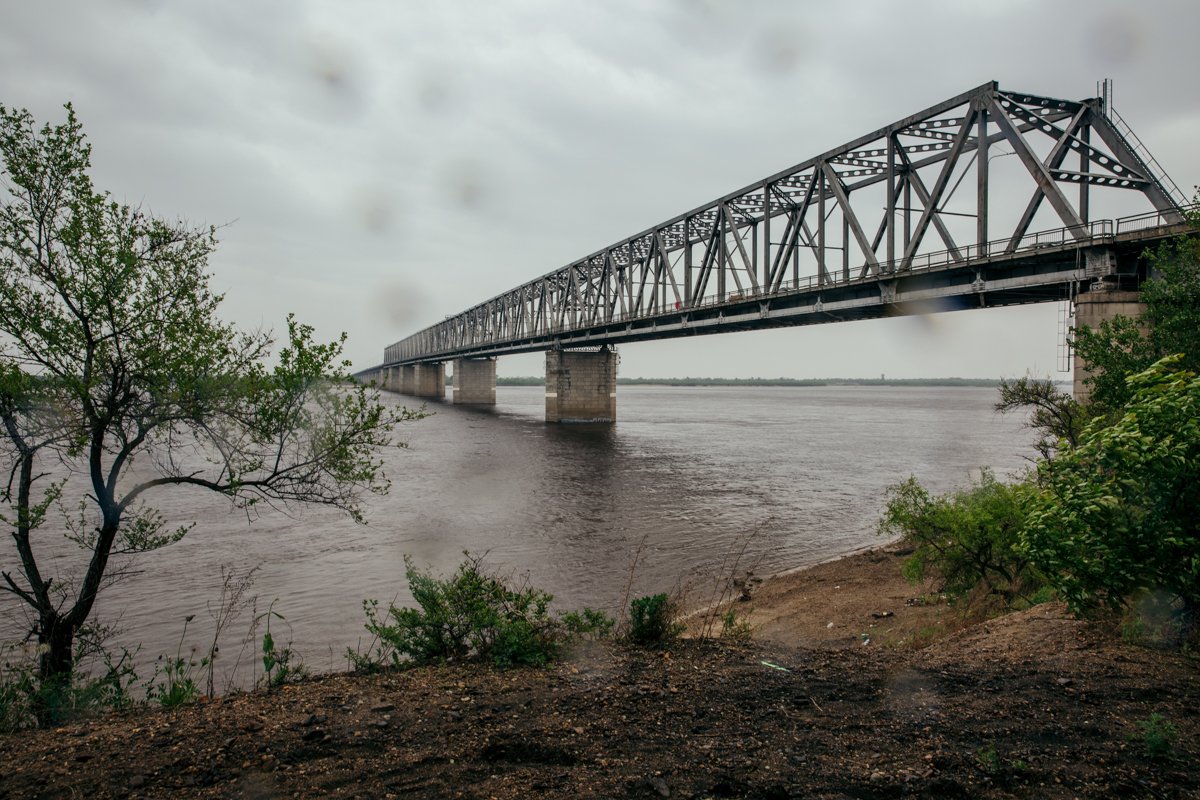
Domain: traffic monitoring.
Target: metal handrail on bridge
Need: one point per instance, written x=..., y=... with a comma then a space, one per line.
x=1101, y=231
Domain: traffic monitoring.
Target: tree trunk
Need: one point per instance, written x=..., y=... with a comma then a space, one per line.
x=57, y=638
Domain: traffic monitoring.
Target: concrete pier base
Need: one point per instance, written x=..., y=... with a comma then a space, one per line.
x=1093, y=307
x=581, y=385
x=408, y=380
x=429, y=380
x=474, y=382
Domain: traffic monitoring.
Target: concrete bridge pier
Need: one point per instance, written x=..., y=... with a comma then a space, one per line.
x=581, y=385
x=474, y=381
x=1101, y=302
x=429, y=380
x=407, y=384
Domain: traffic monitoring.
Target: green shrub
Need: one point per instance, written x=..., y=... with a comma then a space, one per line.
x=472, y=615
x=969, y=538
x=736, y=629
x=1119, y=513
x=27, y=701
x=652, y=620
x=587, y=622
x=1158, y=736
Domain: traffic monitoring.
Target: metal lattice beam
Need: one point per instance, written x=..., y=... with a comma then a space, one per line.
x=838, y=231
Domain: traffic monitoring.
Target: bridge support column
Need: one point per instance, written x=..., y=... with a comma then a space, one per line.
x=1100, y=303
x=429, y=380
x=408, y=380
x=474, y=381
x=581, y=385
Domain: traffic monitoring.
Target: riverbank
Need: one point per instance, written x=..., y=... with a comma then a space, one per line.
x=1034, y=704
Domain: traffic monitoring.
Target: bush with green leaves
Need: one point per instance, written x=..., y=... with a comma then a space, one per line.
x=1158, y=736
x=968, y=538
x=99, y=682
x=1120, y=512
x=473, y=615
x=652, y=620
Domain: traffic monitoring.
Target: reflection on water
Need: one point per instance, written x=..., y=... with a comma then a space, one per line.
x=684, y=474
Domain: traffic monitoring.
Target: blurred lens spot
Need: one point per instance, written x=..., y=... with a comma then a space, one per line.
x=401, y=305
x=375, y=209
x=435, y=91
x=778, y=50
x=1117, y=38
x=329, y=63
x=467, y=183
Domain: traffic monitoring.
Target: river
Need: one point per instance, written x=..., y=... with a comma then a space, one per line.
x=664, y=495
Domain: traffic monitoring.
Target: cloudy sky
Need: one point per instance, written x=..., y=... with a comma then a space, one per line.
x=379, y=165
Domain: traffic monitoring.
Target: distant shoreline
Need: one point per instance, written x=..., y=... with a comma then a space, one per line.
x=981, y=382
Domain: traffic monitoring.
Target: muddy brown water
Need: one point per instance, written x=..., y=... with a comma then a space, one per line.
x=582, y=511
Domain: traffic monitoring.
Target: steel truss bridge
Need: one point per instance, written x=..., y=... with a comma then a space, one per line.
x=904, y=219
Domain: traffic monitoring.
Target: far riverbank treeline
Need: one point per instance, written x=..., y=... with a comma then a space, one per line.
x=532, y=380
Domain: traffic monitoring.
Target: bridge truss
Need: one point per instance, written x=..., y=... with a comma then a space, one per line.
x=908, y=212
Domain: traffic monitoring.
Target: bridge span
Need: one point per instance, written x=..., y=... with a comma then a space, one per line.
x=875, y=227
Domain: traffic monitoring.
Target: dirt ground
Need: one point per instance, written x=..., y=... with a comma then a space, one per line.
x=1034, y=704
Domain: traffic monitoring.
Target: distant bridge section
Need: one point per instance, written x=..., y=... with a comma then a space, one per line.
x=989, y=198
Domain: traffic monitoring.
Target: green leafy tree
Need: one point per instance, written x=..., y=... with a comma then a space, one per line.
x=1120, y=511
x=968, y=538
x=1054, y=414
x=118, y=381
x=1170, y=324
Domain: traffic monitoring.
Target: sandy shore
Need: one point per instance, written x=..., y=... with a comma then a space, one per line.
x=859, y=598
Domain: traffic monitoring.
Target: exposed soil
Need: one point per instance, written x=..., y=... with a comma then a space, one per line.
x=1034, y=704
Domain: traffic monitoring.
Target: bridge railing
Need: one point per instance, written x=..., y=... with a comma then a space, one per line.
x=1071, y=236
x=1152, y=219
x=1067, y=236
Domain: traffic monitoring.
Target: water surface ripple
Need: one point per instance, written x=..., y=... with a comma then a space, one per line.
x=683, y=474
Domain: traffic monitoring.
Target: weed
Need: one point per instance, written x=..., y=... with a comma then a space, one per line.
x=99, y=681
x=1158, y=736
x=280, y=664
x=178, y=675
x=1133, y=630
x=989, y=760
x=734, y=580
x=233, y=600
x=736, y=629
x=652, y=620
x=588, y=622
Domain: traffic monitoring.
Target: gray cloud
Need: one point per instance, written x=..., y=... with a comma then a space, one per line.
x=385, y=164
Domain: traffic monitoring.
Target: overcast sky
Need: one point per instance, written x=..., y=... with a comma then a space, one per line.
x=379, y=165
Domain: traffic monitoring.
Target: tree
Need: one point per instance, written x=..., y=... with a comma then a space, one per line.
x=968, y=538
x=1170, y=324
x=1054, y=414
x=1120, y=512
x=118, y=381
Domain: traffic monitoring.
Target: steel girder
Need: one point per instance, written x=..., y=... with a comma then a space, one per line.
x=873, y=209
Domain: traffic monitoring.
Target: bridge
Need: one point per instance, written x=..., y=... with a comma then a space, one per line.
x=1061, y=199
